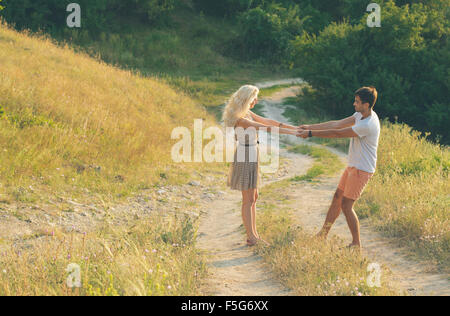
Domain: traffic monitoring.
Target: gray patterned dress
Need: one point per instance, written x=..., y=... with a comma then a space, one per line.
x=244, y=172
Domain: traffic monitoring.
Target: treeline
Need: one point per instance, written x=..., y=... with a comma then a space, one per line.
x=334, y=50
x=327, y=42
x=97, y=15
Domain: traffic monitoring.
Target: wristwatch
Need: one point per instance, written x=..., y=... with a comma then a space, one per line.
x=310, y=134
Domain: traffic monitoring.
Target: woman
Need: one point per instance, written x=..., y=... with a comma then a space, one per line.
x=244, y=173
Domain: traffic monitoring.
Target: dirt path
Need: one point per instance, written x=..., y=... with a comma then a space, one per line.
x=236, y=270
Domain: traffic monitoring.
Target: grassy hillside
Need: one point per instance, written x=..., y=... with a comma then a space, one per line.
x=408, y=198
x=71, y=122
x=191, y=54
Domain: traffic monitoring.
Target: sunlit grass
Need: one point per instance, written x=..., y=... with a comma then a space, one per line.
x=143, y=258
x=325, y=162
x=71, y=123
x=267, y=92
x=308, y=266
x=304, y=264
x=408, y=197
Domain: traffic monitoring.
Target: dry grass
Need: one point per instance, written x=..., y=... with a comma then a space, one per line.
x=72, y=123
x=325, y=162
x=72, y=127
x=408, y=198
x=308, y=266
x=143, y=259
x=304, y=264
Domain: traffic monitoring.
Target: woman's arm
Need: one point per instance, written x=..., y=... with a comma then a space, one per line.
x=270, y=122
x=245, y=123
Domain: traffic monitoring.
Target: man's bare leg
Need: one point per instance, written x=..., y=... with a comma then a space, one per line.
x=352, y=221
x=333, y=214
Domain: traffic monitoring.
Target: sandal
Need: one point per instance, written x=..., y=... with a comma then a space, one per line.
x=250, y=244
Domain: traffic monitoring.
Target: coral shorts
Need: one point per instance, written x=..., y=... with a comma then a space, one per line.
x=353, y=182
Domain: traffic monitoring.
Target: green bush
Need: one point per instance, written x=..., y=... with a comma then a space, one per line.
x=266, y=32
x=407, y=59
x=97, y=15
x=226, y=7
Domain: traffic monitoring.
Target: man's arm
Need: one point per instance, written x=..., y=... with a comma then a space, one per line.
x=347, y=122
x=331, y=133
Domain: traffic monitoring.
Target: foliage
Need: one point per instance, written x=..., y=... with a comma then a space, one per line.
x=407, y=59
x=408, y=196
x=226, y=7
x=50, y=15
x=266, y=32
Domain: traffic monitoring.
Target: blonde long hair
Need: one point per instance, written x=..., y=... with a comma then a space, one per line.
x=239, y=104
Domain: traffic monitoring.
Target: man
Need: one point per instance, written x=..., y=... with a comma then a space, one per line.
x=364, y=130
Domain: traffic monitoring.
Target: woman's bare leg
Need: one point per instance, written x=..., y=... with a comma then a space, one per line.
x=248, y=200
x=254, y=215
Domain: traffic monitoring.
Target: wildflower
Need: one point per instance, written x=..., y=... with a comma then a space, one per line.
x=360, y=294
x=147, y=251
x=169, y=287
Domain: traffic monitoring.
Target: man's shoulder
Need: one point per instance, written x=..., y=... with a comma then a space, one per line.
x=375, y=115
x=375, y=119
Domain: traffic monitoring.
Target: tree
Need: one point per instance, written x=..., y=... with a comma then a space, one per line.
x=407, y=59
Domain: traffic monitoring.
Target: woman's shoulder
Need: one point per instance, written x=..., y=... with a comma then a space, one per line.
x=249, y=115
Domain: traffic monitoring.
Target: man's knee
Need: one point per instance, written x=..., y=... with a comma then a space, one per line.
x=338, y=195
x=347, y=204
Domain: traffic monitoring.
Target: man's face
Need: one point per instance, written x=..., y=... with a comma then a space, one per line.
x=359, y=106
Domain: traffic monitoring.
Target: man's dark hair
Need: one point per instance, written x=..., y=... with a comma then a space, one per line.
x=367, y=95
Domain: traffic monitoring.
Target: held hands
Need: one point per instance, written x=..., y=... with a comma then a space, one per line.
x=302, y=131
x=304, y=127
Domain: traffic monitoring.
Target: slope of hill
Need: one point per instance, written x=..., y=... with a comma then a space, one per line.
x=71, y=122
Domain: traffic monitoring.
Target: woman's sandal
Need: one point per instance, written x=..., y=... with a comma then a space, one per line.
x=250, y=244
